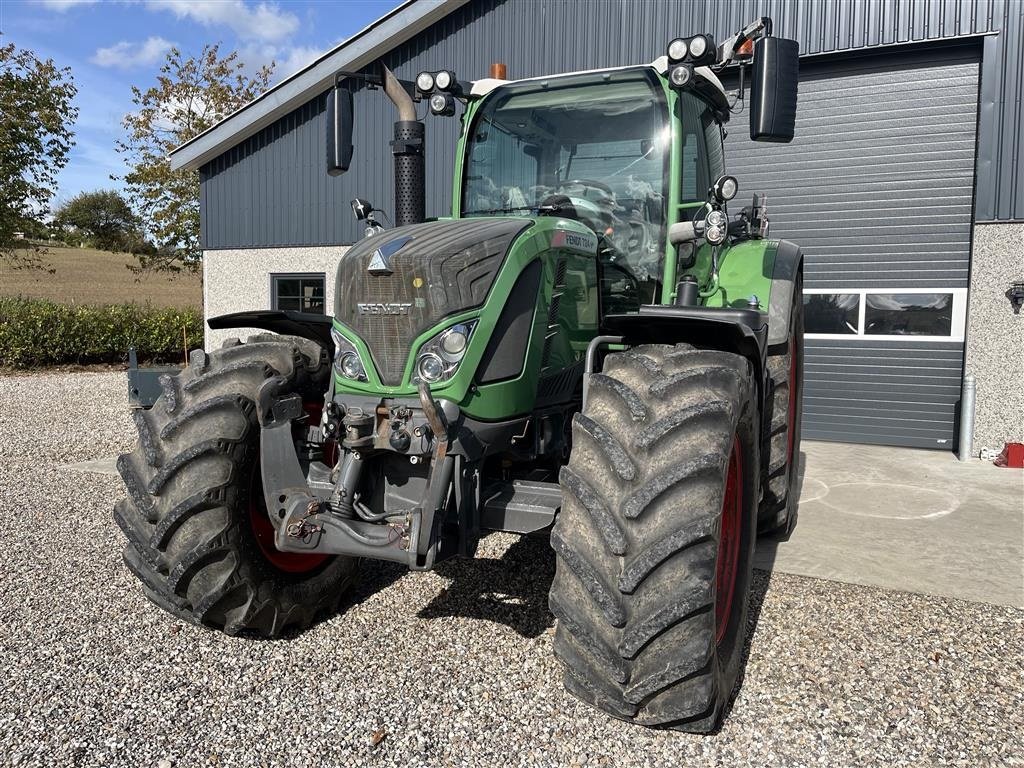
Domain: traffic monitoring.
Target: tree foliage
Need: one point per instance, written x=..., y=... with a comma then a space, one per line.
x=103, y=216
x=36, y=119
x=190, y=96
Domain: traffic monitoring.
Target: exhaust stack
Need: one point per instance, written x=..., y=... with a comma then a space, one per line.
x=407, y=147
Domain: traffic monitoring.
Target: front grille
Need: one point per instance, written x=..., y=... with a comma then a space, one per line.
x=445, y=268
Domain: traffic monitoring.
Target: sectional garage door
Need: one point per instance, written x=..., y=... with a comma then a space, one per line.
x=877, y=189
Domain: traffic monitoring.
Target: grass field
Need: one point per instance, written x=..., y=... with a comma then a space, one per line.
x=86, y=276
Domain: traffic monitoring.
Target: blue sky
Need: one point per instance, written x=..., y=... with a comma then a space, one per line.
x=111, y=45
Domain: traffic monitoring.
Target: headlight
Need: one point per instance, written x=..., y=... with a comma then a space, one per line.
x=716, y=227
x=346, y=358
x=717, y=219
x=439, y=358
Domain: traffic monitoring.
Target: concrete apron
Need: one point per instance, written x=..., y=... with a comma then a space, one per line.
x=910, y=520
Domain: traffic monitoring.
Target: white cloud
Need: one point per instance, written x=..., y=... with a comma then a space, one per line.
x=288, y=59
x=265, y=21
x=125, y=55
x=297, y=58
x=63, y=5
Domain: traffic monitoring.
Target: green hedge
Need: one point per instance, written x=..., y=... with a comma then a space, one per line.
x=36, y=332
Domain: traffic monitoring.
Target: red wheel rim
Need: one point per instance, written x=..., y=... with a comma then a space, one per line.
x=793, y=400
x=263, y=530
x=727, y=564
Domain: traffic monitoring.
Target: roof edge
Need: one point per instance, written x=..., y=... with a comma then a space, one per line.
x=364, y=47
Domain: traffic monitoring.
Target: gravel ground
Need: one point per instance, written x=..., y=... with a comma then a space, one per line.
x=446, y=668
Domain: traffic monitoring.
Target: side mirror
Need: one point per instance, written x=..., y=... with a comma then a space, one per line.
x=773, y=90
x=361, y=208
x=339, y=130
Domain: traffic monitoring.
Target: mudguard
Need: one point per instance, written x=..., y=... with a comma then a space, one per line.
x=789, y=260
x=306, y=325
x=742, y=331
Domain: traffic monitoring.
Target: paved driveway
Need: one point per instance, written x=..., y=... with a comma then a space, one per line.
x=912, y=520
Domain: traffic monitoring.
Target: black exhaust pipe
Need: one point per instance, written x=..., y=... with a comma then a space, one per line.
x=407, y=147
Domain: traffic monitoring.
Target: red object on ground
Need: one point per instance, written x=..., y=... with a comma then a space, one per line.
x=1012, y=456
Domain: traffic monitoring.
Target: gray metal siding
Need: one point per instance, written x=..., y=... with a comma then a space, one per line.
x=882, y=393
x=876, y=186
x=271, y=190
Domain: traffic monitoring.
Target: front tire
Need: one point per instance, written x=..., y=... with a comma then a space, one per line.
x=655, y=537
x=196, y=527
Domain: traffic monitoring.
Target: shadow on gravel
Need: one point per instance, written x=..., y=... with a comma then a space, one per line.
x=759, y=585
x=512, y=590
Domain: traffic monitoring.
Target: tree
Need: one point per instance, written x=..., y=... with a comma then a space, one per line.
x=36, y=117
x=104, y=216
x=190, y=96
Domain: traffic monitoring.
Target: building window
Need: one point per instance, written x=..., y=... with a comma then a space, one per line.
x=831, y=313
x=908, y=314
x=299, y=293
x=925, y=314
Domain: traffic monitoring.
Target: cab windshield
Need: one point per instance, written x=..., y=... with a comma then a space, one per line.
x=593, y=147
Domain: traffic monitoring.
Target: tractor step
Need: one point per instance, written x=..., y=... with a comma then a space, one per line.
x=522, y=506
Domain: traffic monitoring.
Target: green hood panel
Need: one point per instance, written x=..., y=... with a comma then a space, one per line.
x=395, y=285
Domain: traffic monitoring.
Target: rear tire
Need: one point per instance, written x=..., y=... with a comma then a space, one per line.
x=647, y=630
x=781, y=447
x=194, y=518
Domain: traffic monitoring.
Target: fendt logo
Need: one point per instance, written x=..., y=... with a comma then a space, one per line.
x=394, y=308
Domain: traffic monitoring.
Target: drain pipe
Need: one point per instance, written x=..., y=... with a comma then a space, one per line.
x=967, y=398
x=407, y=147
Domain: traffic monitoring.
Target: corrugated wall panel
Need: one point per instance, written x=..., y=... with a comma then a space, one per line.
x=251, y=192
x=885, y=393
x=876, y=187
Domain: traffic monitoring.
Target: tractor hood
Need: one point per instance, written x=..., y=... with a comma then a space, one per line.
x=395, y=285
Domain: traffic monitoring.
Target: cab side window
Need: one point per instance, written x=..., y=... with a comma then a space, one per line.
x=696, y=175
x=716, y=152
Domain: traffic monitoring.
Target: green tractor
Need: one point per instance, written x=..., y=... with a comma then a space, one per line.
x=590, y=345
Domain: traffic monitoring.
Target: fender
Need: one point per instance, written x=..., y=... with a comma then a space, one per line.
x=741, y=331
x=789, y=261
x=306, y=325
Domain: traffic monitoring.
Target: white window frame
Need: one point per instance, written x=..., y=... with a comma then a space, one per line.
x=956, y=331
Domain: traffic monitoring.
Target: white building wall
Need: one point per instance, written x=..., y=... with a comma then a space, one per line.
x=237, y=280
x=995, y=335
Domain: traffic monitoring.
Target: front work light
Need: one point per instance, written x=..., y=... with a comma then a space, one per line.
x=444, y=80
x=442, y=104
x=716, y=227
x=725, y=188
x=439, y=358
x=424, y=82
x=698, y=50
x=680, y=75
x=698, y=46
x=677, y=50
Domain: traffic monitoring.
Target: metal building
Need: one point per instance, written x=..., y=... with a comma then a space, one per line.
x=904, y=185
